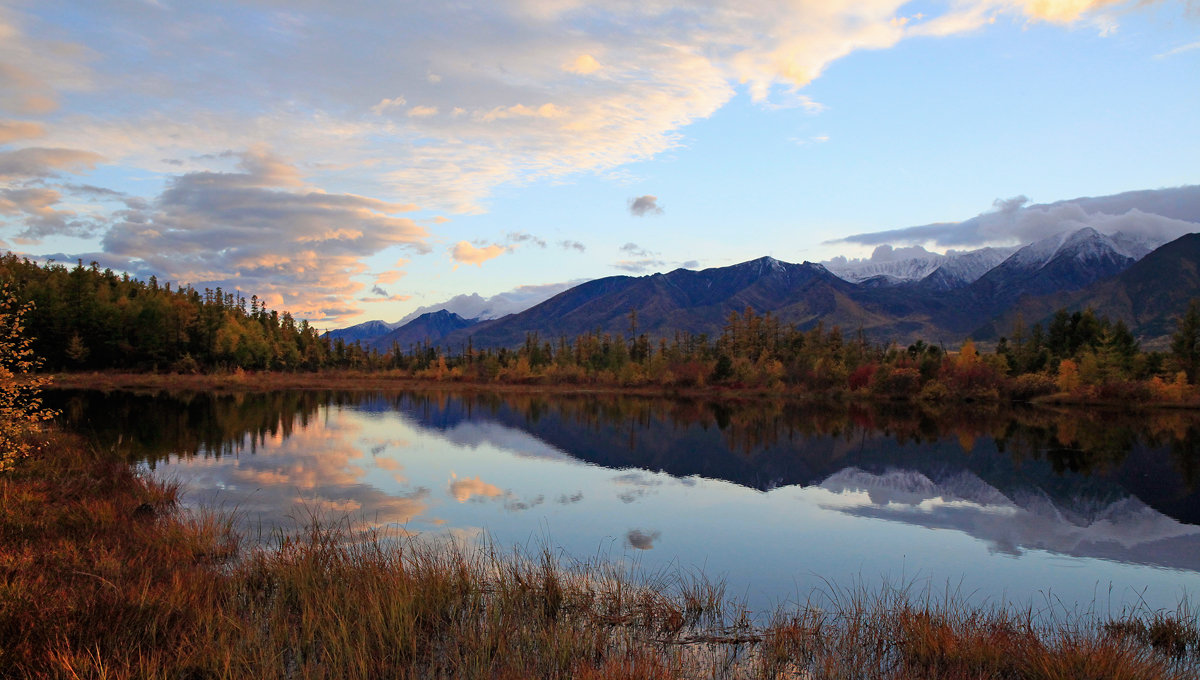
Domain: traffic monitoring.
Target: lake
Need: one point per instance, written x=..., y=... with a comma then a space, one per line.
x=1058, y=510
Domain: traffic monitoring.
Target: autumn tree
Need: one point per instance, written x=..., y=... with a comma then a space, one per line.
x=20, y=404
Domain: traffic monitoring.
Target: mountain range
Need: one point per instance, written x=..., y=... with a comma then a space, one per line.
x=943, y=298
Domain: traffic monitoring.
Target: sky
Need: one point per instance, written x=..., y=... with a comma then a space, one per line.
x=350, y=160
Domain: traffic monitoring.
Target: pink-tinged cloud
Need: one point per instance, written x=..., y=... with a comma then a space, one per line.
x=584, y=65
x=1064, y=11
x=37, y=162
x=463, y=489
x=262, y=230
x=465, y=253
x=12, y=130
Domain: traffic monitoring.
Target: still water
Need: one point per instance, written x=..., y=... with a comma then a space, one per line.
x=1082, y=511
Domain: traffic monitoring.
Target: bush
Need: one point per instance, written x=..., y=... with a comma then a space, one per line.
x=21, y=411
x=1030, y=385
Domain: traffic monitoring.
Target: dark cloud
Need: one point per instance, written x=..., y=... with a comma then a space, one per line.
x=640, y=266
x=644, y=205
x=634, y=250
x=1160, y=215
x=572, y=245
x=641, y=540
x=35, y=208
x=516, y=237
x=94, y=192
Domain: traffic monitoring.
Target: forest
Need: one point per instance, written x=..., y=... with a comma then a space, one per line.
x=83, y=318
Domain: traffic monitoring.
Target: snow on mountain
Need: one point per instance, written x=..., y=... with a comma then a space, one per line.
x=896, y=264
x=1123, y=529
x=1084, y=245
x=962, y=269
x=475, y=306
x=899, y=265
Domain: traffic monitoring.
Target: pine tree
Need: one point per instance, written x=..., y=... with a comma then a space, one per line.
x=1185, y=343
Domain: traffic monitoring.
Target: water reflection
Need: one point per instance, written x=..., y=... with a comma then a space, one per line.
x=767, y=490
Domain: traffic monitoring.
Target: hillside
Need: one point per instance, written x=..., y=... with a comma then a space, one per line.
x=429, y=328
x=1148, y=296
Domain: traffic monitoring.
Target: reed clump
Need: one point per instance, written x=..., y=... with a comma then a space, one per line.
x=102, y=576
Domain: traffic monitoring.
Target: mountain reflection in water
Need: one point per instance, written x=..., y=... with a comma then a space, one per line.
x=1101, y=487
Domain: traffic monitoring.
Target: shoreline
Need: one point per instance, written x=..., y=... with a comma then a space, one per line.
x=265, y=381
x=106, y=576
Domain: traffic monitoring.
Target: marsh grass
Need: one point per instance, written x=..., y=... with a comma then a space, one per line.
x=102, y=576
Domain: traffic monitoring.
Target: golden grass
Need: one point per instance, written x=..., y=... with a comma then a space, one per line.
x=101, y=577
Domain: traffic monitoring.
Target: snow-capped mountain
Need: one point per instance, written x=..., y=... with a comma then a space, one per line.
x=1063, y=262
x=893, y=266
x=963, y=269
x=1123, y=529
x=363, y=332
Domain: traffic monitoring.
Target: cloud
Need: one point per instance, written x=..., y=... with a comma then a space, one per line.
x=1179, y=50
x=422, y=111
x=35, y=208
x=640, y=266
x=379, y=294
x=475, y=306
x=515, y=237
x=634, y=250
x=262, y=230
x=644, y=205
x=465, y=253
x=642, y=540
x=390, y=276
x=33, y=72
x=1159, y=215
x=38, y=162
x=503, y=94
x=463, y=489
x=584, y=65
x=386, y=105
x=1063, y=11
x=12, y=130
x=572, y=245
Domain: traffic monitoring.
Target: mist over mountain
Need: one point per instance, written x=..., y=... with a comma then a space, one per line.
x=890, y=266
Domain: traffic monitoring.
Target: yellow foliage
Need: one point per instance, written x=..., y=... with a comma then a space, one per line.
x=21, y=409
x=967, y=355
x=1068, y=376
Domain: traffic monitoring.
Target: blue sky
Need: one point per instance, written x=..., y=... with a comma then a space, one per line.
x=358, y=160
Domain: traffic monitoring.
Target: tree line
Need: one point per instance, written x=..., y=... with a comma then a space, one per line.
x=85, y=318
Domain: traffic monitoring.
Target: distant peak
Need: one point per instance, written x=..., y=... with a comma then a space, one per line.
x=441, y=314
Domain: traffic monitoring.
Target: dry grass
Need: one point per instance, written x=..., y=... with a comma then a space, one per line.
x=101, y=578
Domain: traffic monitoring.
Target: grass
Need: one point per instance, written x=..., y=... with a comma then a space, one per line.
x=101, y=576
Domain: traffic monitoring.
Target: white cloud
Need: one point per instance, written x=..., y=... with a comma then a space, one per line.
x=1179, y=50
x=1158, y=215
x=365, y=95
